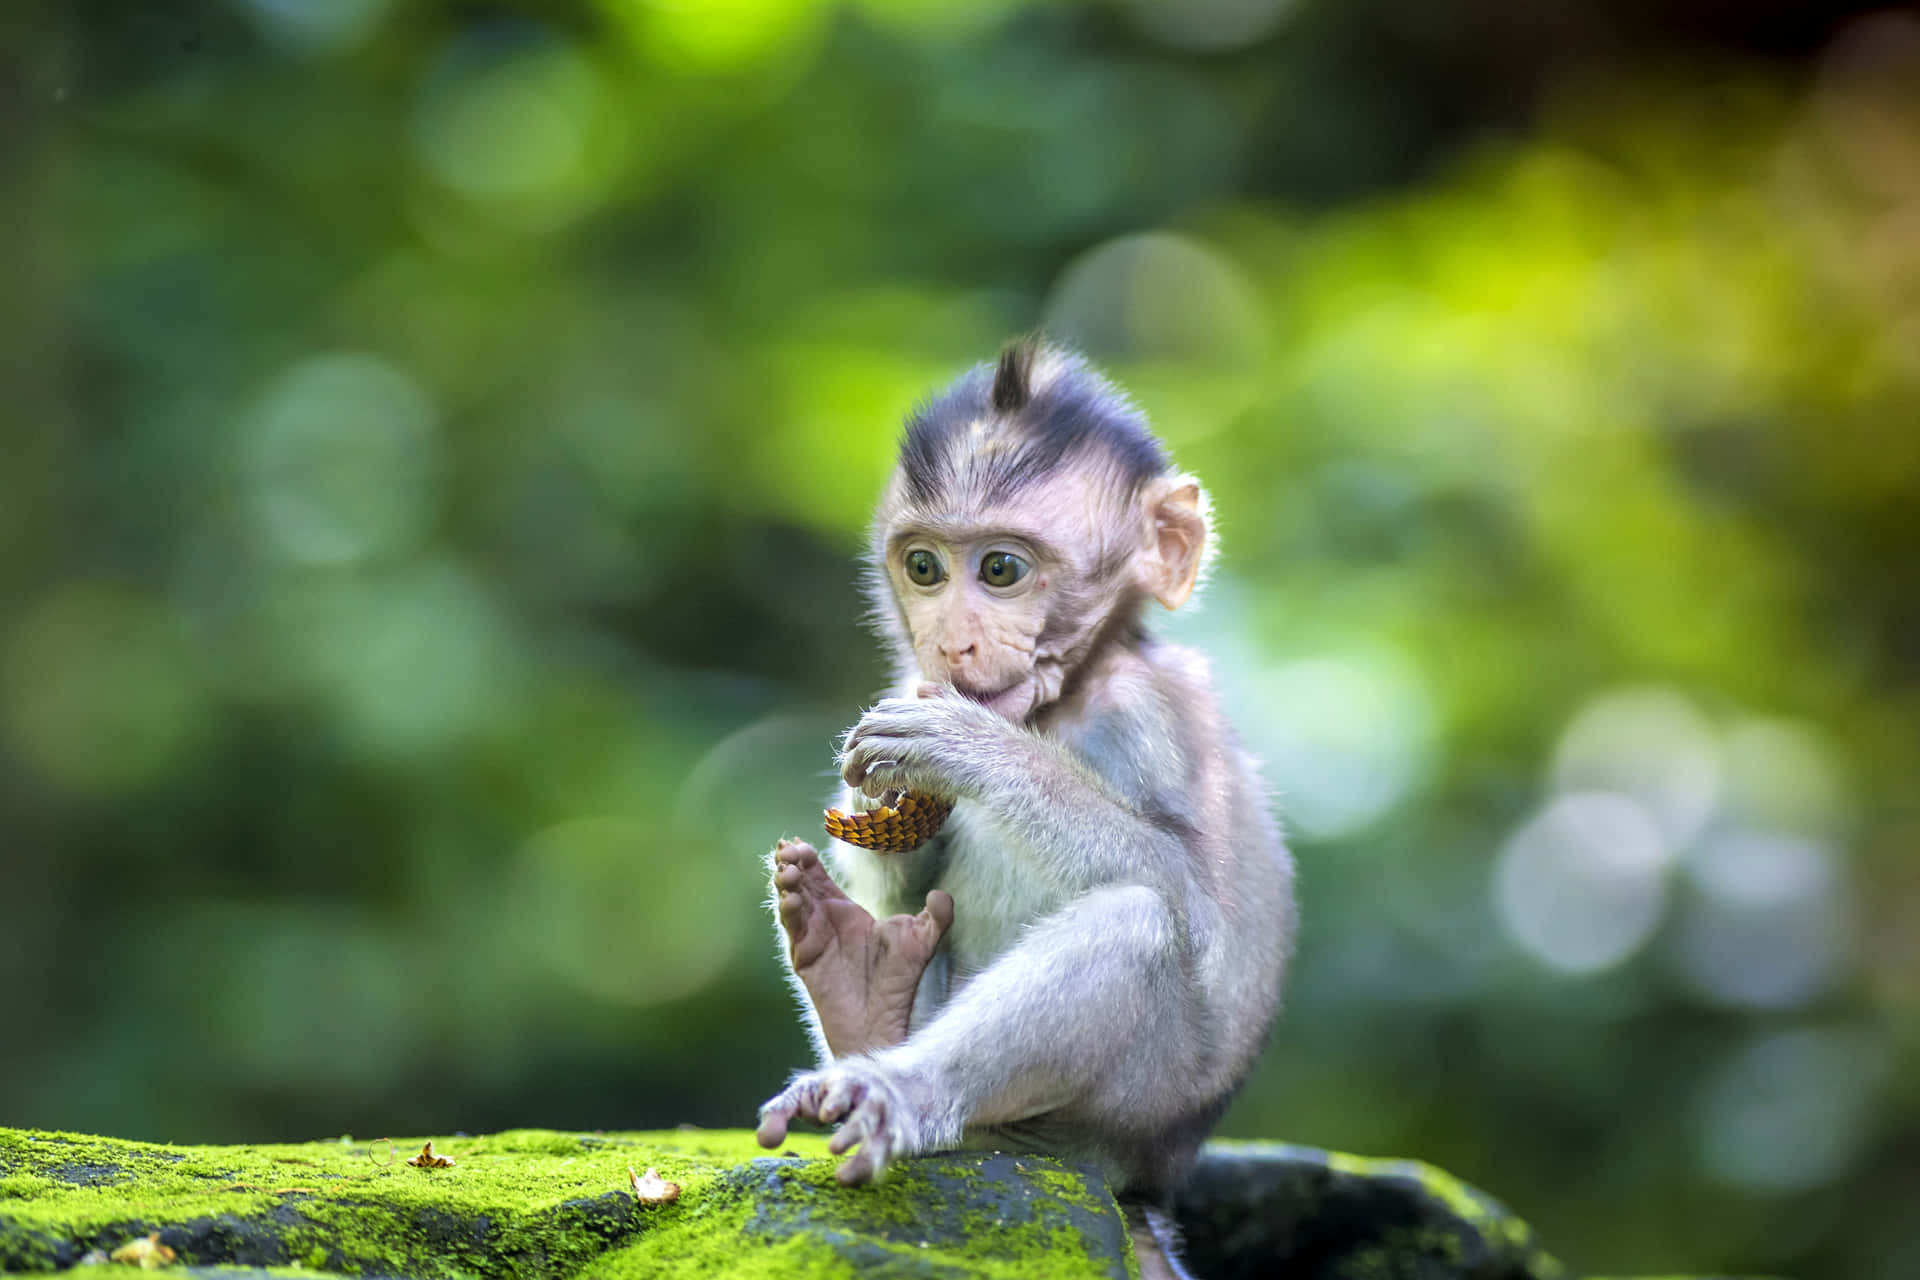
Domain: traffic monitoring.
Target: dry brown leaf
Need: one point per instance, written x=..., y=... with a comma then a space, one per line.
x=427, y=1160
x=147, y=1252
x=651, y=1188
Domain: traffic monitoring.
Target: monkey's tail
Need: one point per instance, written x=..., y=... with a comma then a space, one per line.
x=1156, y=1241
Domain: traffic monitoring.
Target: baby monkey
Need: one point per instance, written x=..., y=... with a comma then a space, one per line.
x=1085, y=959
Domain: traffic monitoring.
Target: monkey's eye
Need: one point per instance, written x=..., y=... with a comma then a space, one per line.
x=1002, y=569
x=923, y=568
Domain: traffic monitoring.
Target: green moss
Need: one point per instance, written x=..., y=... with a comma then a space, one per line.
x=549, y=1201
x=1073, y=1188
x=25, y=1185
x=536, y=1204
x=797, y=1220
x=715, y=1254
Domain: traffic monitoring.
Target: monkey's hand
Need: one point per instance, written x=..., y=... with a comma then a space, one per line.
x=879, y=1112
x=938, y=743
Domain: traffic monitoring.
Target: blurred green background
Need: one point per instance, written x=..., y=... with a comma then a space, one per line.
x=438, y=438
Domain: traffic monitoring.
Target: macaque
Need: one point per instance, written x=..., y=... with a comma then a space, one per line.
x=1086, y=958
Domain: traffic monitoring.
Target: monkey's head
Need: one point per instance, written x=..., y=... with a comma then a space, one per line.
x=1031, y=515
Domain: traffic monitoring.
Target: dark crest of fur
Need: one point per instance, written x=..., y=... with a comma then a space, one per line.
x=1077, y=410
x=1010, y=380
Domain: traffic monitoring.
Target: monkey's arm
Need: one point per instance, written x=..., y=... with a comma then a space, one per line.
x=1096, y=826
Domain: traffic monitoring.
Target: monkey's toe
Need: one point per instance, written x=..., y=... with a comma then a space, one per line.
x=794, y=853
x=935, y=918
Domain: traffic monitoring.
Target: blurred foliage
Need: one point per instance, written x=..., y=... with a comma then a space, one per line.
x=440, y=437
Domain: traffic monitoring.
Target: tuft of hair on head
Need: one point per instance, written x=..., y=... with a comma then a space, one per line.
x=1034, y=408
x=1013, y=376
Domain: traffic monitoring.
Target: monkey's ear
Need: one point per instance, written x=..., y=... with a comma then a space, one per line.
x=1178, y=509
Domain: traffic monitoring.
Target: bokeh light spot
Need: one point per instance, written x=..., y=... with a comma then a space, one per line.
x=416, y=661
x=1210, y=26
x=1648, y=743
x=1782, y=776
x=314, y=28
x=604, y=908
x=1157, y=296
x=711, y=37
x=1786, y=1111
x=1770, y=924
x=300, y=990
x=1341, y=739
x=99, y=693
x=772, y=776
x=1581, y=885
x=1175, y=320
x=340, y=460
x=509, y=113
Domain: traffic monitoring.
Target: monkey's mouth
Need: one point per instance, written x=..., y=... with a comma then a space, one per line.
x=1012, y=701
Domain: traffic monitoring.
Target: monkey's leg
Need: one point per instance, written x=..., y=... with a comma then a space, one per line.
x=859, y=972
x=1091, y=1014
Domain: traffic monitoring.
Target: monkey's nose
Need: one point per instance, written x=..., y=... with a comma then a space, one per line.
x=953, y=655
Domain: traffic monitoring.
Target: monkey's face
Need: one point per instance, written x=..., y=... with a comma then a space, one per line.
x=1003, y=601
x=976, y=604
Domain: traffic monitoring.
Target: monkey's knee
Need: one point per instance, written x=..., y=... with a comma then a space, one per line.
x=1132, y=920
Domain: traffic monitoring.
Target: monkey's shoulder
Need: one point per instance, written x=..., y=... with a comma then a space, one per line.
x=1154, y=695
x=1150, y=726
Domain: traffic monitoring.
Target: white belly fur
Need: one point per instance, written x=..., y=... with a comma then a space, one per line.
x=998, y=887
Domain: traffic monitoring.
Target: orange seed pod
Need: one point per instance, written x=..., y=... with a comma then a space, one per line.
x=907, y=823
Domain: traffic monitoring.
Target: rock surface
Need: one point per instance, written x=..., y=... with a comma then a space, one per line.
x=1259, y=1209
x=539, y=1205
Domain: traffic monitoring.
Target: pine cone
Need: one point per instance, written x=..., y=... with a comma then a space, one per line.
x=907, y=823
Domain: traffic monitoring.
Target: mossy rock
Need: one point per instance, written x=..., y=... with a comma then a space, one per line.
x=1258, y=1209
x=539, y=1205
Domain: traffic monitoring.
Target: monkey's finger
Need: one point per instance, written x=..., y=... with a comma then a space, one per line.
x=932, y=690
x=865, y=1164
x=853, y=1131
x=773, y=1122
x=898, y=715
x=863, y=765
x=860, y=1126
x=842, y=1096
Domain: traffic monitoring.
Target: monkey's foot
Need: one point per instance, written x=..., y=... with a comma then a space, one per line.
x=861, y=973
